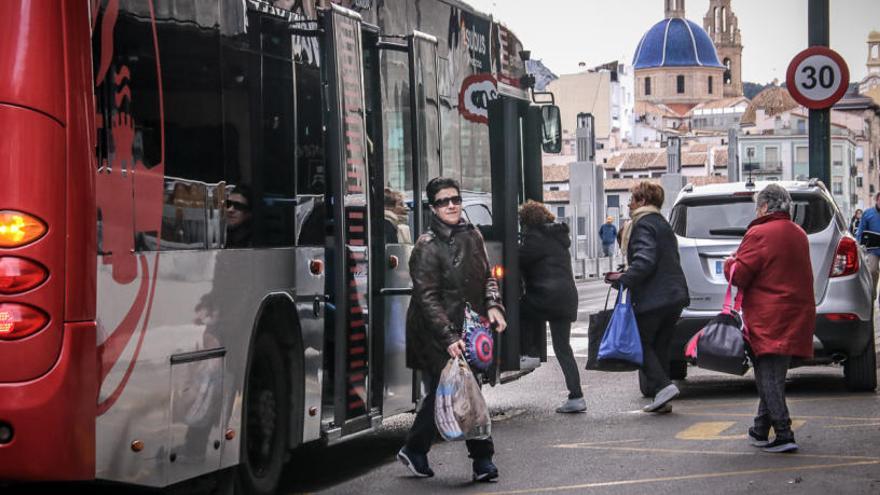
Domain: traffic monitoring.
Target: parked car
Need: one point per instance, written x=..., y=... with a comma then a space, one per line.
x=710, y=222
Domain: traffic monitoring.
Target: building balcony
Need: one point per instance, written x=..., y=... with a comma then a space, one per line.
x=763, y=167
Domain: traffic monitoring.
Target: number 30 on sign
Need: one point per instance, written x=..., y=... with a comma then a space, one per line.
x=817, y=77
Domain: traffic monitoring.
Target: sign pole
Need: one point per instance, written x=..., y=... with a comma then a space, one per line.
x=820, y=120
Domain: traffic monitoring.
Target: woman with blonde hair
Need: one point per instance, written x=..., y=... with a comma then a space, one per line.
x=657, y=286
x=551, y=295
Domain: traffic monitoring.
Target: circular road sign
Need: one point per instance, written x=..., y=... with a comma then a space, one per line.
x=817, y=77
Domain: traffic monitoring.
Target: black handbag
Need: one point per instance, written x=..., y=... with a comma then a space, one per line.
x=721, y=345
x=598, y=325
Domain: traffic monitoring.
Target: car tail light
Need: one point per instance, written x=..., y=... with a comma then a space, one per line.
x=18, y=229
x=846, y=259
x=20, y=320
x=498, y=272
x=20, y=274
x=841, y=317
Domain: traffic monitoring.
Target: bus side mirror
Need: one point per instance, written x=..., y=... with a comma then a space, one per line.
x=551, y=129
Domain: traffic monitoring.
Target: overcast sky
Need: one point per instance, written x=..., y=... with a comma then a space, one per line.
x=565, y=32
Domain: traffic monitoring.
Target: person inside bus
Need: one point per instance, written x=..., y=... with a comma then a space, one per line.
x=449, y=269
x=550, y=295
x=396, y=216
x=238, y=217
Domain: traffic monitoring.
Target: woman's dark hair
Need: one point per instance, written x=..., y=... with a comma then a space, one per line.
x=245, y=191
x=437, y=184
x=648, y=193
x=533, y=213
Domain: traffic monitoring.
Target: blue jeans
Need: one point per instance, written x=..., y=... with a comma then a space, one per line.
x=608, y=249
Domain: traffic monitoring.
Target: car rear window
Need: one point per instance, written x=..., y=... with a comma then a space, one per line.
x=727, y=217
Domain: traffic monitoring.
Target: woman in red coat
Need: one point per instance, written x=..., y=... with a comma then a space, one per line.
x=772, y=269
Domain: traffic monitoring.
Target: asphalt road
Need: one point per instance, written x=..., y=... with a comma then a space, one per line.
x=614, y=448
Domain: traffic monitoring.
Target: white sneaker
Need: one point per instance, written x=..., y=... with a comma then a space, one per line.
x=573, y=406
x=665, y=395
x=529, y=362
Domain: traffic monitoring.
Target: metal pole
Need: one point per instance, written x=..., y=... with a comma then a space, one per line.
x=820, y=120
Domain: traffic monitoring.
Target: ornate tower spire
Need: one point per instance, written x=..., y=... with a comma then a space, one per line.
x=674, y=8
x=874, y=52
x=722, y=25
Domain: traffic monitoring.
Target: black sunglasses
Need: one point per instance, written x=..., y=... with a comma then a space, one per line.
x=238, y=205
x=444, y=202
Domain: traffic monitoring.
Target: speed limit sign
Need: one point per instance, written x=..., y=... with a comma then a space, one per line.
x=817, y=77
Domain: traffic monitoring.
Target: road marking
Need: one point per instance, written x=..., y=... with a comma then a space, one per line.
x=774, y=470
x=749, y=402
x=712, y=430
x=590, y=444
x=752, y=415
x=751, y=452
x=860, y=425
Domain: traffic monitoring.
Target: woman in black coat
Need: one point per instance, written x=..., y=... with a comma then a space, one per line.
x=656, y=285
x=550, y=293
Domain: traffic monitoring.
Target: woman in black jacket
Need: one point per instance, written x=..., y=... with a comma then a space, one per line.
x=657, y=287
x=551, y=295
x=449, y=270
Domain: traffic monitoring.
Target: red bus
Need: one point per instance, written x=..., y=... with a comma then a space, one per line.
x=197, y=269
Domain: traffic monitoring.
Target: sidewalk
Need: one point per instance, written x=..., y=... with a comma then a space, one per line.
x=593, y=268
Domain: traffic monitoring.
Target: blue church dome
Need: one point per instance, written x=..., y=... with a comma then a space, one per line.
x=675, y=42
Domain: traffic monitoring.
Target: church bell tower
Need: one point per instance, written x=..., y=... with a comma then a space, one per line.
x=722, y=25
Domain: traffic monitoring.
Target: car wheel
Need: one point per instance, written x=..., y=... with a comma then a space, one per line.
x=860, y=371
x=678, y=370
x=265, y=419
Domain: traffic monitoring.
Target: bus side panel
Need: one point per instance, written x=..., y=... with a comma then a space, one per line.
x=203, y=301
x=310, y=306
x=30, y=56
x=81, y=242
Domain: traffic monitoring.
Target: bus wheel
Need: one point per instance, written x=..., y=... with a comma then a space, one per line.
x=265, y=419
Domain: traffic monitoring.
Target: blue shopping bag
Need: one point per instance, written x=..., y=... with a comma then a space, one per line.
x=621, y=341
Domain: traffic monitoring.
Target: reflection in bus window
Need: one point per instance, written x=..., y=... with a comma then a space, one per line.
x=311, y=184
x=396, y=122
x=397, y=218
x=475, y=152
x=450, y=133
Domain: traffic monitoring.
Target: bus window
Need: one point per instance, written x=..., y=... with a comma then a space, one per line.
x=278, y=205
x=396, y=123
x=193, y=136
x=311, y=179
x=258, y=135
x=450, y=133
x=477, y=176
x=428, y=105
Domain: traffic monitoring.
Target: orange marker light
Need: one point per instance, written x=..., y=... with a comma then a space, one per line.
x=20, y=274
x=18, y=229
x=20, y=320
x=498, y=272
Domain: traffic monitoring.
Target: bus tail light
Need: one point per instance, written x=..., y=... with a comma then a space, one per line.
x=18, y=229
x=18, y=321
x=846, y=259
x=498, y=272
x=20, y=274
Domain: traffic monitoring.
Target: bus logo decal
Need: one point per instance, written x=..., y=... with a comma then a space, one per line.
x=477, y=91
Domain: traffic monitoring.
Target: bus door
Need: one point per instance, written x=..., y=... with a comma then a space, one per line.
x=408, y=121
x=348, y=255
x=517, y=131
